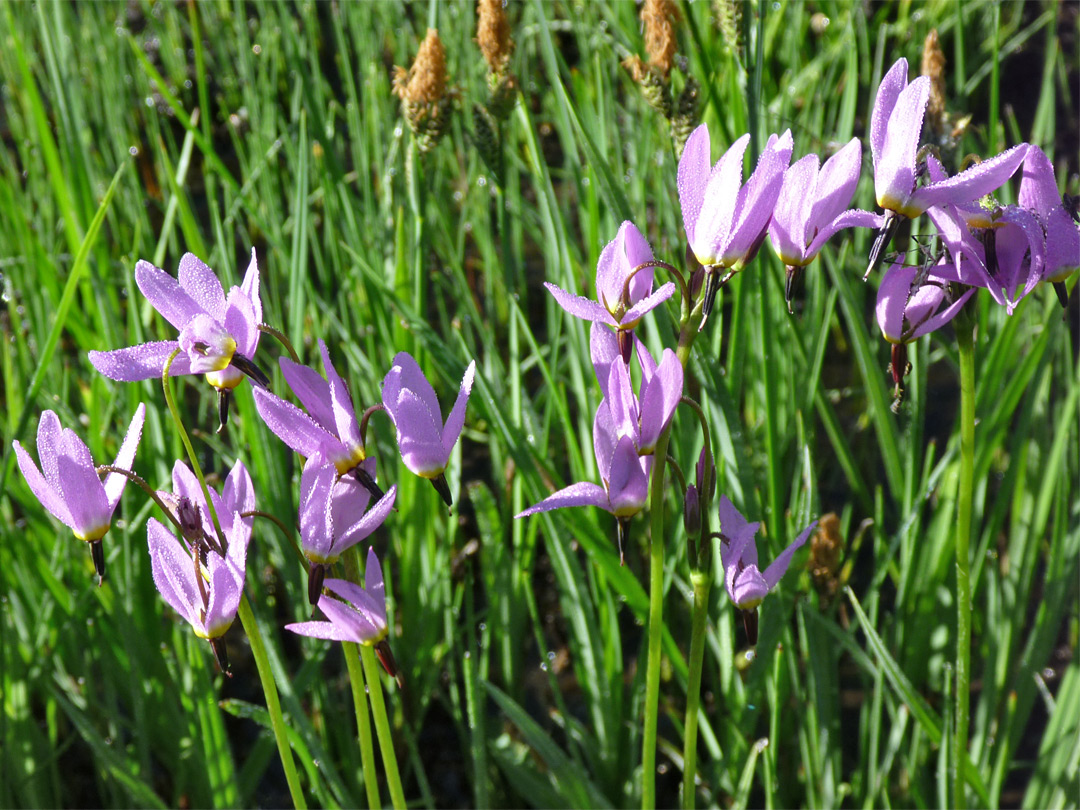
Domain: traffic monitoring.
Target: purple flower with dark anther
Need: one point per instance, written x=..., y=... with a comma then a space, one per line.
x=646, y=418
x=1039, y=195
x=329, y=428
x=895, y=128
x=746, y=584
x=333, y=516
x=812, y=207
x=624, y=294
x=68, y=484
x=913, y=302
x=199, y=582
x=625, y=475
x=725, y=220
x=218, y=334
x=425, y=442
x=360, y=618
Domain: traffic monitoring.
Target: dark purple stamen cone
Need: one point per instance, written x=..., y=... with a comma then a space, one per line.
x=443, y=488
x=884, y=236
x=793, y=287
x=626, y=344
x=1062, y=293
x=712, y=286
x=368, y=483
x=386, y=658
x=750, y=624
x=248, y=367
x=622, y=532
x=316, y=575
x=221, y=655
x=898, y=366
x=223, y=397
x=97, y=552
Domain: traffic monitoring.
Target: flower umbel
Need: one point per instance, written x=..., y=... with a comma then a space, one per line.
x=70, y=487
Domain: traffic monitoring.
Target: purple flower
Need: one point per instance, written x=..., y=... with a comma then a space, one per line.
x=624, y=296
x=895, y=128
x=70, y=487
x=218, y=334
x=329, y=428
x=812, y=208
x=1039, y=195
x=746, y=584
x=332, y=516
x=725, y=220
x=644, y=419
x=360, y=618
x=425, y=442
x=198, y=582
x=625, y=475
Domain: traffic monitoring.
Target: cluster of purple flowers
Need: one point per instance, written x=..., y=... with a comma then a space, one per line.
x=200, y=567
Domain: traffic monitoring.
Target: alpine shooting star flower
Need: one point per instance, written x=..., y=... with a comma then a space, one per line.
x=68, y=484
x=895, y=128
x=1039, y=195
x=746, y=584
x=424, y=441
x=726, y=221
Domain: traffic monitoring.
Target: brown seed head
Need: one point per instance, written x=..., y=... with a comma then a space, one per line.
x=660, y=17
x=826, y=548
x=425, y=81
x=933, y=65
x=493, y=34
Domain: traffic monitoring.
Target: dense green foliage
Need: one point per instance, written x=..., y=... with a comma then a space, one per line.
x=522, y=642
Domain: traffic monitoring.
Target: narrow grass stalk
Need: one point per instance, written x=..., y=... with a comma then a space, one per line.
x=247, y=618
x=382, y=726
x=965, y=338
x=656, y=623
x=702, y=582
x=363, y=723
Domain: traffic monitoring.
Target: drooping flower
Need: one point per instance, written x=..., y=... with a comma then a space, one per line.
x=812, y=207
x=71, y=488
x=725, y=220
x=1039, y=195
x=425, y=442
x=333, y=516
x=644, y=419
x=360, y=618
x=746, y=584
x=199, y=582
x=218, y=334
x=625, y=475
x=895, y=128
x=329, y=428
x=912, y=302
x=624, y=296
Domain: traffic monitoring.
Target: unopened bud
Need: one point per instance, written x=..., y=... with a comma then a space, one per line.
x=188, y=517
x=692, y=513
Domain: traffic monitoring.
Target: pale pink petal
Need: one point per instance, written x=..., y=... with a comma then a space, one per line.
x=636, y=252
x=348, y=431
x=581, y=307
x=50, y=436
x=647, y=304
x=693, y=175
x=202, y=284
x=628, y=487
x=241, y=323
x=836, y=184
x=50, y=498
x=853, y=218
x=977, y=181
x=350, y=535
x=250, y=287
x=605, y=437
x=718, y=208
x=894, y=171
x=581, y=494
x=84, y=494
x=370, y=604
x=603, y=350
x=1038, y=186
x=312, y=390
x=943, y=317
x=294, y=427
x=173, y=570
x=413, y=379
x=142, y=362
x=374, y=583
x=323, y=630
x=892, y=300
x=888, y=91
x=788, y=227
x=166, y=294
x=115, y=482
x=622, y=403
x=316, y=524
x=456, y=420
x=659, y=398
x=778, y=567
x=360, y=619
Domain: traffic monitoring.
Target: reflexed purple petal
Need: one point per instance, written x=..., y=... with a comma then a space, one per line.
x=778, y=567
x=294, y=427
x=1038, y=186
x=894, y=171
x=581, y=307
x=854, y=218
x=628, y=487
x=977, y=181
x=238, y=492
x=369, y=604
x=173, y=570
x=1062, y=253
x=348, y=431
x=186, y=485
x=741, y=534
x=581, y=494
x=604, y=350
x=374, y=584
x=892, y=84
x=324, y=630
x=943, y=317
x=348, y=535
x=50, y=437
x=238, y=534
x=316, y=518
x=456, y=420
x=312, y=390
x=84, y=494
x=413, y=379
x=622, y=404
x=1021, y=237
x=142, y=362
x=693, y=175
x=605, y=437
x=659, y=398
x=50, y=498
x=747, y=587
x=836, y=184
x=166, y=294
x=718, y=209
x=757, y=199
x=610, y=274
x=114, y=482
x=224, y=600
x=636, y=251
x=250, y=286
x=202, y=284
x=892, y=299
x=635, y=313
x=419, y=435
x=645, y=360
x=356, y=622
x=240, y=322
x=788, y=227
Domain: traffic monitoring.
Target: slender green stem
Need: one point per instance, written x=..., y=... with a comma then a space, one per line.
x=273, y=704
x=363, y=723
x=280, y=337
x=382, y=726
x=965, y=338
x=702, y=582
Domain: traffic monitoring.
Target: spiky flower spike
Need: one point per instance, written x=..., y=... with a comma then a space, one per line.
x=422, y=89
x=493, y=37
